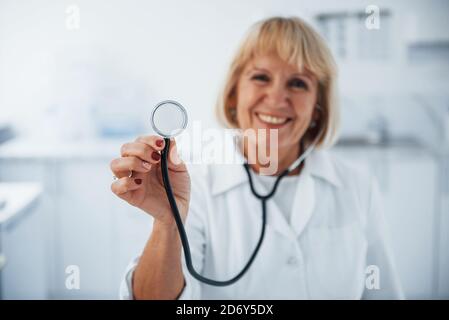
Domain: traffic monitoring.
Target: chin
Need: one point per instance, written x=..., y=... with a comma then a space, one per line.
x=278, y=143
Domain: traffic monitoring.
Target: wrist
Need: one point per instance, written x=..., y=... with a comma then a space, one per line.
x=166, y=226
x=167, y=233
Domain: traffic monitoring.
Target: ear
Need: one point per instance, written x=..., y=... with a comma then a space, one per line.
x=232, y=99
x=232, y=114
x=233, y=111
x=315, y=115
x=317, y=112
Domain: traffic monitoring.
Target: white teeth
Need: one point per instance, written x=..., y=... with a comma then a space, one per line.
x=270, y=119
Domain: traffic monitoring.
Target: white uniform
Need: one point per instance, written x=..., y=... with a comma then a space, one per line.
x=333, y=247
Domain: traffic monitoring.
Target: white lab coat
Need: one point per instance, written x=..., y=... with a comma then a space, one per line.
x=337, y=232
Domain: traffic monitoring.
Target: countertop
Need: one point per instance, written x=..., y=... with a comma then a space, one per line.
x=106, y=149
x=18, y=198
x=22, y=148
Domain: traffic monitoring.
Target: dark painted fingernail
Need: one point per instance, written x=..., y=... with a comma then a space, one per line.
x=156, y=156
x=159, y=142
x=138, y=181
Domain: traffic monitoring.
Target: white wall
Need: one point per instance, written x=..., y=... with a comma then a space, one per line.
x=127, y=55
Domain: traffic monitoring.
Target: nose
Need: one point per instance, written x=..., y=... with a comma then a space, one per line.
x=277, y=95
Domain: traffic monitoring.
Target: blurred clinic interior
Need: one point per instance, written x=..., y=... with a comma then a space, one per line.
x=79, y=78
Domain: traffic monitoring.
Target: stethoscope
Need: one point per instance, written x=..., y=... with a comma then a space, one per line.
x=168, y=119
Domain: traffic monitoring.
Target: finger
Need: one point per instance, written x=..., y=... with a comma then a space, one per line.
x=122, y=166
x=156, y=142
x=141, y=150
x=125, y=184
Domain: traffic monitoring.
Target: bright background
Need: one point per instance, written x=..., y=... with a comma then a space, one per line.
x=69, y=97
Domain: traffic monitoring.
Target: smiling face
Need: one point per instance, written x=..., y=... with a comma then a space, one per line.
x=272, y=94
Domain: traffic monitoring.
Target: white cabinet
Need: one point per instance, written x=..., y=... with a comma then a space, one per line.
x=22, y=247
x=131, y=229
x=99, y=232
x=85, y=224
x=83, y=215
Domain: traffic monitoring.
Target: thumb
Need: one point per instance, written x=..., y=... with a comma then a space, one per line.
x=174, y=160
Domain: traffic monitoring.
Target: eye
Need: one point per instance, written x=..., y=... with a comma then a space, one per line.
x=260, y=77
x=298, y=83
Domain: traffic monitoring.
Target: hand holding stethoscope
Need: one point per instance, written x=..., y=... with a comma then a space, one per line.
x=138, y=176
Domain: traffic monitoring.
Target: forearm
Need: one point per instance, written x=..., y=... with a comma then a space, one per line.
x=158, y=274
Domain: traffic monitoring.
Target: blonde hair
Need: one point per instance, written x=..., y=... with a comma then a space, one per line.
x=295, y=42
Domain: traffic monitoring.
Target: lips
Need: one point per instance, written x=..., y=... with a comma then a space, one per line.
x=272, y=119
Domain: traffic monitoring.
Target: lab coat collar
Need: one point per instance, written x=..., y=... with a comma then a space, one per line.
x=319, y=165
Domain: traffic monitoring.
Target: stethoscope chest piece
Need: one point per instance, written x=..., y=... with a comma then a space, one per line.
x=169, y=118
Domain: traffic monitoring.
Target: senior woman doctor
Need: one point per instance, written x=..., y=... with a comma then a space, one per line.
x=325, y=231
